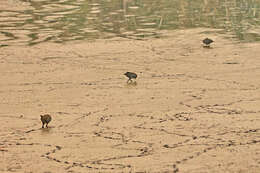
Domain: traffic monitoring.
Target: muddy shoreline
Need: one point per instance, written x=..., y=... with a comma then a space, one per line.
x=192, y=109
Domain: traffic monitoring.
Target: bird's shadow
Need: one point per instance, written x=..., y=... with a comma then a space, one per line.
x=131, y=83
x=207, y=47
x=46, y=130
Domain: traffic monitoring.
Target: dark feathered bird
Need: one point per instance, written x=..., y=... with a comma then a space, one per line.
x=207, y=41
x=130, y=76
x=45, y=120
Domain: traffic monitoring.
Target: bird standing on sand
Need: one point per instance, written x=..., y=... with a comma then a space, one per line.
x=45, y=120
x=207, y=42
x=130, y=76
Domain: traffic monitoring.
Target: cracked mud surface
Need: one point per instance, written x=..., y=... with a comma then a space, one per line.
x=191, y=110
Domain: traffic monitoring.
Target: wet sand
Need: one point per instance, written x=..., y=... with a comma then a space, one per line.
x=14, y=5
x=191, y=109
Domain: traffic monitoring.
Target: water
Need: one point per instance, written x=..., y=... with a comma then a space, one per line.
x=66, y=20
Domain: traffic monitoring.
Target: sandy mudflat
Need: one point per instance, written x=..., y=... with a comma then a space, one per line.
x=192, y=110
x=14, y=5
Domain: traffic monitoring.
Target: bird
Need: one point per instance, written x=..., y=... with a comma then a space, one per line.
x=45, y=120
x=207, y=42
x=130, y=76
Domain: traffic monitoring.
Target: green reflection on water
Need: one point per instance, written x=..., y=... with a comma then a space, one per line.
x=65, y=20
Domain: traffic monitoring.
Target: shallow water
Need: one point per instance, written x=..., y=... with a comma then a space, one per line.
x=36, y=21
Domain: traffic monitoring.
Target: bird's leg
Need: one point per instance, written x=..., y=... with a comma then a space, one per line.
x=42, y=125
x=47, y=125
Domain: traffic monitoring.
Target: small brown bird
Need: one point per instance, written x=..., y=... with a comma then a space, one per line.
x=130, y=76
x=207, y=42
x=45, y=120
